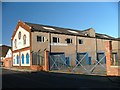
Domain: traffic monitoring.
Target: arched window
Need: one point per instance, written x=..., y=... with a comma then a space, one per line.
x=22, y=58
x=17, y=58
x=24, y=39
x=19, y=35
x=27, y=58
x=15, y=43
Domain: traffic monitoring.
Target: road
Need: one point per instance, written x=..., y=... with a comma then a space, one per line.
x=15, y=79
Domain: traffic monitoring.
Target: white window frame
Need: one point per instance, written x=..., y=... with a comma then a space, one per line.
x=42, y=38
x=58, y=40
x=70, y=40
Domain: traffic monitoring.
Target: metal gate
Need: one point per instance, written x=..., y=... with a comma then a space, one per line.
x=38, y=58
x=78, y=63
x=57, y=61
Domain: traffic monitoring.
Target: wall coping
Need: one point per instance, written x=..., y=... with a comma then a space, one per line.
x=115, y=66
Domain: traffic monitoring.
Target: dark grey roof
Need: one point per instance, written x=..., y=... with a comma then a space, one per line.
x=40, y=27
x=3, y=50
x=104, y=36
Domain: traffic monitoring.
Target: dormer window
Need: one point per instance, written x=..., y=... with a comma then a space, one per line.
x=19, y=35
x=24, y=39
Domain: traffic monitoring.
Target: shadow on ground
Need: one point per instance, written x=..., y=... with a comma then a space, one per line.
x=15, y=79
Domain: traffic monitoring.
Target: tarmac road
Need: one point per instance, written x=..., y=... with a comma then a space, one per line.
x=17, y=79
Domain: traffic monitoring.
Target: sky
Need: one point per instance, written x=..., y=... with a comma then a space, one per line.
x=101, y=16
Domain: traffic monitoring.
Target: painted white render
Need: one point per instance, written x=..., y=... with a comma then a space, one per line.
x=15, y=59
x=9, y=54
x=19, y=42
x=25, y=53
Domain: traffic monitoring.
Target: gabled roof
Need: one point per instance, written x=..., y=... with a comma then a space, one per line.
x=54, y=29
x=3, y=50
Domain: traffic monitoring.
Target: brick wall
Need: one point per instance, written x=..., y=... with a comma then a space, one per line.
x=8, y=62
x=111, y=70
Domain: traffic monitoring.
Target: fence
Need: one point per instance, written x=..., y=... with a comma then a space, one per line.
x=82, y=62
x=38, y=58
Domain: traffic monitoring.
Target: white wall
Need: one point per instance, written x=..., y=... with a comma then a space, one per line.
x=9, y=54
x=20, y=44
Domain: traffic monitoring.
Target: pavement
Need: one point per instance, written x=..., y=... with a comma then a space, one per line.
x=17, y=69
x=31, y=79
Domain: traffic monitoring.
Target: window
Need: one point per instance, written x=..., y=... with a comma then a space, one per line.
x=40, y=39
x=27, y=58
x=13, y=61
x=68, y=40
x=24, y=39
x=22, y=59
x=55, y=40
x=15, y=43
x=80, y=41
x=19, y=35
x=17, y=58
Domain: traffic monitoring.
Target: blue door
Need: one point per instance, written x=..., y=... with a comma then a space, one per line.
x=68, y=61
x=22, y=58
x=84, y=57
x=17, y=58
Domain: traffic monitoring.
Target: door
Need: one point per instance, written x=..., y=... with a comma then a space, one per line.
x=101, y=57
x=84, y=57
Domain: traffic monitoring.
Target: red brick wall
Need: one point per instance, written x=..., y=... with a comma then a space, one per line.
x=8, y=62
x=111, y=70
x=36, y=67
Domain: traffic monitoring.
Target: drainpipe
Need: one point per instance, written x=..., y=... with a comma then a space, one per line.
x=96, y=47
x=76, y=46
x=50, y=41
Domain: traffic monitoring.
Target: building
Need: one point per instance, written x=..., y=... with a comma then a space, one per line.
x=70, y=44
x=4, y=49
x=8, y=59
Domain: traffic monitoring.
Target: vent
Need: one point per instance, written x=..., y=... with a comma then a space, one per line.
x=72, y=31
x=105, y=36
x=48, y=28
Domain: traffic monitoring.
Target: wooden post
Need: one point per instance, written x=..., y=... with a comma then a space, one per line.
x=108, y=46
x=46, y=53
